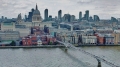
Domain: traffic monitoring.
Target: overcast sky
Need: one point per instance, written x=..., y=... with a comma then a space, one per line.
x=104, y=8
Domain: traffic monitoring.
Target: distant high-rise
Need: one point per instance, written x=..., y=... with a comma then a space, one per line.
x=55, y=18
x=80, y=16
x=46, y=14
x=59, y=15
x=2, y=17
x=72, y=18
x=90, y=19
x=87, y=14
x=96, y=18
x=113, y=19
x=32, y=10
x=5, y=18
x=67, y=18
x=50, y=17
x=84, y=18
x=25, y=18
x=30, y=15
x=19, y=18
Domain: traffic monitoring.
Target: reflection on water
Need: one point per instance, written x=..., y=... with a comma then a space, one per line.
x=56, y=57
x=38, y=57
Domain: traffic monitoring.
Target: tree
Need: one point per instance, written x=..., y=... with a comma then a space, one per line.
x=55, y=43
x=50, y=43
x=13, y=43
x=21, y=43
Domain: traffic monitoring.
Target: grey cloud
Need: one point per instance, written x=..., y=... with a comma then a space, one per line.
x=85, y=1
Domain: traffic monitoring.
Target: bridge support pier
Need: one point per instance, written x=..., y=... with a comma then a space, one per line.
x=99, y=63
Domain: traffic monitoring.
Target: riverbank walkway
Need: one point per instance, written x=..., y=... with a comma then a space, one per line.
x=41, y=46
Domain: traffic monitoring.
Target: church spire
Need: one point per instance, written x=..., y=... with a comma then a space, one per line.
x=36, y=7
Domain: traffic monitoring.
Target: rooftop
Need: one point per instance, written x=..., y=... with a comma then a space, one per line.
x=9, y=32
x=8, y=24
x=5, y=42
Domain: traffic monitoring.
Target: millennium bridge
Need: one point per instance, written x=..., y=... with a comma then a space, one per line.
x=99, y=59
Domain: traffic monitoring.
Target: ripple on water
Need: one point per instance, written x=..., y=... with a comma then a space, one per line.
x=36, y=57
x=55, y=57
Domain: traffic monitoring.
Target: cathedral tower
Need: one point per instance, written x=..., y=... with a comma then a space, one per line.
x=36, y=15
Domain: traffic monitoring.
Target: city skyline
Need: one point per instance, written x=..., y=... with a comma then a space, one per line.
x=104, y=9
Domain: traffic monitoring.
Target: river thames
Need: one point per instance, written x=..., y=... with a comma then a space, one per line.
x=57, y=57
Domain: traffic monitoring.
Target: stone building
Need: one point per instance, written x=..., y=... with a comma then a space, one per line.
x=8, y=26
x=9, y=35
x=36, y=15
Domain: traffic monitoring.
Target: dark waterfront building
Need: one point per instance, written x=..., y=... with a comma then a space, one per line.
x=46, y=14
x=80, y=16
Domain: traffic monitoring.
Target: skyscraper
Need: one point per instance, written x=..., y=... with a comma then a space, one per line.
x=25, y=18
x=72, y=18
x=46, y=14
x=90, y=19
x=60, y=15
x=32, y=10
x=84, y=18
x=50, y=17
x=96, y=18
x=113, y=19
x=80, y=16
x=2, y=17
x=67, y=18
x=87, y=14
x=5, y=18
x=30, y=17
x=19, y=18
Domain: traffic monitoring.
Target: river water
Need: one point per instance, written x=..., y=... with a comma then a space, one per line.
x=57, y=57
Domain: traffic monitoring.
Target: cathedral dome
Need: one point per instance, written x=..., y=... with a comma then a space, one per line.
x=36, y=12
x=36, y=15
